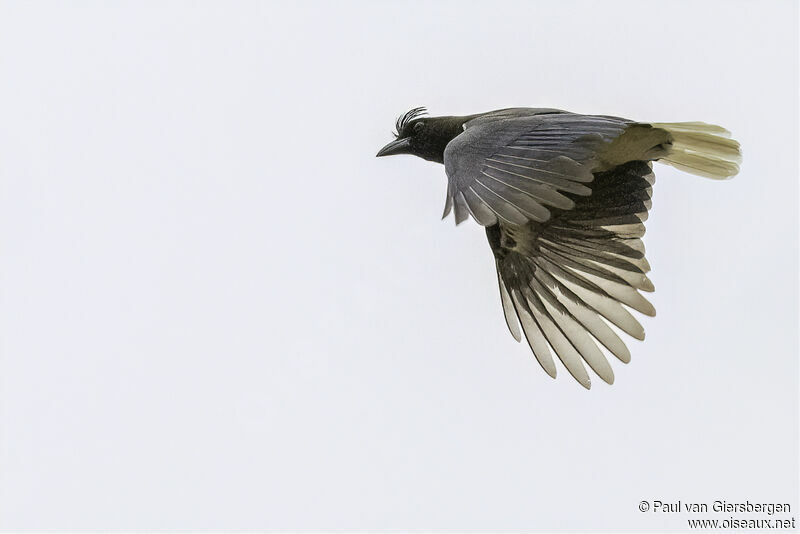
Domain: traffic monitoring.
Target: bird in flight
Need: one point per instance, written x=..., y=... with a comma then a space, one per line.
x=563, y=198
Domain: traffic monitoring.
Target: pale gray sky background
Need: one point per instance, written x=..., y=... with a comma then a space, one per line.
x=218, y=309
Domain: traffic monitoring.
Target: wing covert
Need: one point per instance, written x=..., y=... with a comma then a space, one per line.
x=513, y=169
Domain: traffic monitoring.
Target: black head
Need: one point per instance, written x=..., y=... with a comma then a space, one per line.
x=424, y=137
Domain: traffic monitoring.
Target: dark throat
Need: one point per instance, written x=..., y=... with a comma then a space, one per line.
x=440, y=132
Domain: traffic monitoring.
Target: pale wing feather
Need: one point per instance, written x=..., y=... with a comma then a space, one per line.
x=522, y=165
x=563, y=279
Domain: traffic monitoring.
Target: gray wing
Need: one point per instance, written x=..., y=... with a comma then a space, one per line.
x=565, y=279
x=512, y=166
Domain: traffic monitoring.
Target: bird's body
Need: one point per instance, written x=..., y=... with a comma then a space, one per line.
x=563, y=198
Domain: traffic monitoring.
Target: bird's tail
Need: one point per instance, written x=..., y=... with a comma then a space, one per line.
x=701, y=149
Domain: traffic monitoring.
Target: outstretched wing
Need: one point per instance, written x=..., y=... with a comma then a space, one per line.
x=512, y=167
x=562, y=279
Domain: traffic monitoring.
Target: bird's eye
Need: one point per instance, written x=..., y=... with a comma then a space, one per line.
x=418, y=126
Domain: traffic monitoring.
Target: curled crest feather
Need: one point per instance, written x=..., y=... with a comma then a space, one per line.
x=405, y=118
